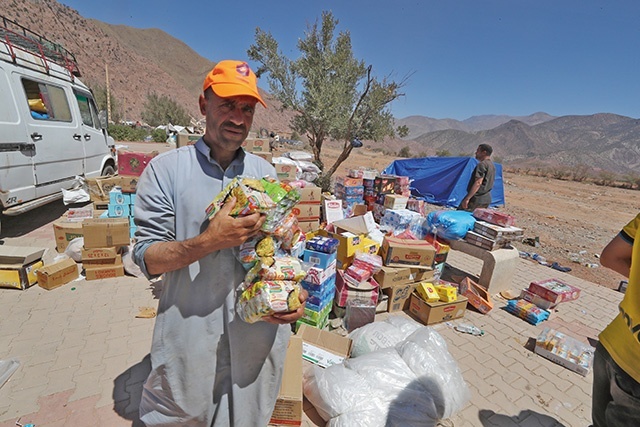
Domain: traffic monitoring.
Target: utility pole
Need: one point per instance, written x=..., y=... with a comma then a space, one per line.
x=106, y=68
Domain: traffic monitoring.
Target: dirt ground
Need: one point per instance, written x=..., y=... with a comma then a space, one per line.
x=573, y=221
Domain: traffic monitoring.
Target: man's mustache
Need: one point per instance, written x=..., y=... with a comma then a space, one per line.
x=242, y=128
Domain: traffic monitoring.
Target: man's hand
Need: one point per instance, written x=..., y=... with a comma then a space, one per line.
x=225, y=231
x=464, y=204
x=291, y=316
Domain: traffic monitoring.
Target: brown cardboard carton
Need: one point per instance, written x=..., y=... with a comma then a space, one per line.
x=309, y=226
x=398, y=252
x=286, y=173
x=323, y=348
x=106, y=271
x=99, y=253
x=399, y=296
x=265, y=155
x=65, y=231
x=288, y=409
x=104, y=232
x=310, y=195
x=256, y=144
x=435, y=312
x=18, y=265
x=102, y=262
x=57, y=274
x=393, y=276
x=306, y=212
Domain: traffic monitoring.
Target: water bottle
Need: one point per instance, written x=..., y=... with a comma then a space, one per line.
x=539, y=258
x=469, y=329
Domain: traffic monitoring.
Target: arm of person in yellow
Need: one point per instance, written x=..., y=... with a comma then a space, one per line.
x=223, y=231
x=617, y=256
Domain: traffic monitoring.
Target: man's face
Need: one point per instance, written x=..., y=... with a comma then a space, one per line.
x=228, y=119
x=479, y=154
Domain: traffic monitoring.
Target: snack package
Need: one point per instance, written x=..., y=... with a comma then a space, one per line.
x=264, y=298
x=250, y=197
x=276, y=268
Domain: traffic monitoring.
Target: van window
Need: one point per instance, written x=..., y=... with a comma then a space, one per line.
x=88, y=110
x=46, y=102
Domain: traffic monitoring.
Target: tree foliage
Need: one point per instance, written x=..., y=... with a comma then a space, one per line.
x=402, y=131
x=404, y=152
x=162, y=110
x=100, y=96
x=334, y=95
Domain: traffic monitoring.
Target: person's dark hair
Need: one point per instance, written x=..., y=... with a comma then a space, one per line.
x=486, y=148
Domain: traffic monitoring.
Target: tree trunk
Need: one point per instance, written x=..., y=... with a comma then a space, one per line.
x=341, y=158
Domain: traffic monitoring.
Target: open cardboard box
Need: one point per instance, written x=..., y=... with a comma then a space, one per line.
x=18, y=265
x=288, y=409
x=323, y=348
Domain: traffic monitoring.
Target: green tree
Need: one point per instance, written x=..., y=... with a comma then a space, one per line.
x=162, y=110
x=443, y=153
x=100, y=96
x=404, y=152
x=333, y=94
x=402, y=131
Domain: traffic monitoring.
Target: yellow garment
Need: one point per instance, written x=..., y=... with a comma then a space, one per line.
x=37, y=105
x=622, y=337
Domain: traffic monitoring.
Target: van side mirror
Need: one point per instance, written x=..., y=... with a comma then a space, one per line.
x=102, y=116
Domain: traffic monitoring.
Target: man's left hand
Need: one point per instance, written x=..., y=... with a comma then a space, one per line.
x=291, y=316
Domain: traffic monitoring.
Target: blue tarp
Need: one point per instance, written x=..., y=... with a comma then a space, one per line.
x=443, y=180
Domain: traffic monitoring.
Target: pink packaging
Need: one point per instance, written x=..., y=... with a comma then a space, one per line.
x=554, y=290
x=494, y=217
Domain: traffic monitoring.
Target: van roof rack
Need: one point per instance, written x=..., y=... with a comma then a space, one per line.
x=18, y=38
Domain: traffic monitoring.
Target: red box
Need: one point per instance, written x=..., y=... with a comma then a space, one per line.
x=494, y=217
x=132, y=163
x=477, y=295
x=554, y=290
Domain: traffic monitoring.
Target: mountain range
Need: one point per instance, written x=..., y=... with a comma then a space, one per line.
x=142, y=61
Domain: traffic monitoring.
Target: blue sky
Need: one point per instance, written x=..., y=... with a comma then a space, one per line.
x=464, y=57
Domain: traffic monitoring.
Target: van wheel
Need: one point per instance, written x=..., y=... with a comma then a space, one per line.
x=108, y=170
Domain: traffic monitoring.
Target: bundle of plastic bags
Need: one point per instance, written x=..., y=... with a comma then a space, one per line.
x=413, y=382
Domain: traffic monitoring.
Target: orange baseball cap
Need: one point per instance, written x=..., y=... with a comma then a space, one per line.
x=232, y=78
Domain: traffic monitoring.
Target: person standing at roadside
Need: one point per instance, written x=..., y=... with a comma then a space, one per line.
x=481, y=181
x=616, y=368
x=208, y=367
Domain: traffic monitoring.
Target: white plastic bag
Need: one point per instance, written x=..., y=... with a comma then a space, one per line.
x=7, y=368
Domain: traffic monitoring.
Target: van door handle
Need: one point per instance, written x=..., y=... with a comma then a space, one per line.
x=77, y=136
x=36, y=136
x=87, y=137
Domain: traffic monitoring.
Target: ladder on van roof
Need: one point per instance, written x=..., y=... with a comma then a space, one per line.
x=27, y=48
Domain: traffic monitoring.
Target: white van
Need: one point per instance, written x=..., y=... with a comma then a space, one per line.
x=50, y=131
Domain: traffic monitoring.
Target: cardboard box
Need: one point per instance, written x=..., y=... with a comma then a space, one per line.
x=435, y=312
x=309, y=226
x=102, y=262
x=323, y=348
x=132, y=163
x=65, y=231
x=427, y=292
x=288, y=409
x=565, y=350
x=18, y=265
x=264, y=154
x=478, y=296
x=537, y=300
x=310, y=195
x=399, y=296
x=127, y=184
x=393, y=276
x=420, y=275
x=346, y=291
x=79, y=214
x=57, y=274
x=184, y=139
x=104, y=232
x=286, y=172
x=306, y=212
x=89, y=254
x=256, y=144
x=398, y=252
x=97, y=272
x=555, y=290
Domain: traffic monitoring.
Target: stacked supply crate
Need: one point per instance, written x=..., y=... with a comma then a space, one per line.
x=308, y=208
x=121, y=205
x=320, y=281
x=103, y=239
x=351, y=191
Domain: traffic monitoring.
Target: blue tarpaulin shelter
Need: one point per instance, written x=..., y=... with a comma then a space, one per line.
x=443, y=180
